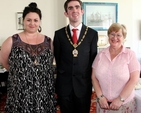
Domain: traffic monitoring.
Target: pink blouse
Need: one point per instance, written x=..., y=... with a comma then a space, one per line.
x=113, y=75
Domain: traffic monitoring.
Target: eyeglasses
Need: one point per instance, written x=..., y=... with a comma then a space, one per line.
x=112, y=35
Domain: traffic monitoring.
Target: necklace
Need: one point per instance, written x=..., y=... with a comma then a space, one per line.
x=33, y=51
x=75, y=51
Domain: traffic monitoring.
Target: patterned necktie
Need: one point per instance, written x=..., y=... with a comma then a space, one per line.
x=74, y=36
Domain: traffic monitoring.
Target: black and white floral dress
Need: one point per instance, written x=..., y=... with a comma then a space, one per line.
x=30, y=85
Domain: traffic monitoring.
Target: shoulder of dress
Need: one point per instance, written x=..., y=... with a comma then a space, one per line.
x=15, y=38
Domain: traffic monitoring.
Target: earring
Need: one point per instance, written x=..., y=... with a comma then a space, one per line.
x=40, y=29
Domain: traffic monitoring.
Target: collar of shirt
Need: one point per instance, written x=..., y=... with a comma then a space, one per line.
x=124, y=50
x=107, y=53
x=78, y=31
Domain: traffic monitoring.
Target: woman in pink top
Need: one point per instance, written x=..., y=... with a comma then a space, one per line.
x=115, y=74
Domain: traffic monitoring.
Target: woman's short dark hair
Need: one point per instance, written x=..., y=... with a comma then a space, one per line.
x=32, y=7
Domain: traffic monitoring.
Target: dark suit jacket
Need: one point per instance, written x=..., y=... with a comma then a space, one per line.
x=74, y=73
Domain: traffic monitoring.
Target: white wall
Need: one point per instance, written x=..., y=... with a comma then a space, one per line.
x=136, y=29
x=53, y=18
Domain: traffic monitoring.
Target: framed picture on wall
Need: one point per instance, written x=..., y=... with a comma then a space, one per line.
x=99, y=16
x=19, y=21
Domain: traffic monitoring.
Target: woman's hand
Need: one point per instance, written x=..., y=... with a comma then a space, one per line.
x=116, y=103
x=104, y=103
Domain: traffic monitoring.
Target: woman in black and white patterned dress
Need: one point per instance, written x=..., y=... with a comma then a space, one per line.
x=28, y=57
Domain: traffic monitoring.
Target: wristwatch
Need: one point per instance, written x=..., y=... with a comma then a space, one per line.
x=98, y=98
x=121, y=99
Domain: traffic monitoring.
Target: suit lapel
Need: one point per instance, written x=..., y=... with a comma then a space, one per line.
x=68, y=30
x=82, y=32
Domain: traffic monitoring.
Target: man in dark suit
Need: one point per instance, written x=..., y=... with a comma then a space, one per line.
x=74, y=61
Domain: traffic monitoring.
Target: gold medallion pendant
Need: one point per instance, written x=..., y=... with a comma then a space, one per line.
x=75, y=52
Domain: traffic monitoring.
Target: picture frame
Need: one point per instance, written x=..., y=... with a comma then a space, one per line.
x=19, y=21
x=99, y=16
x=102, y=40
